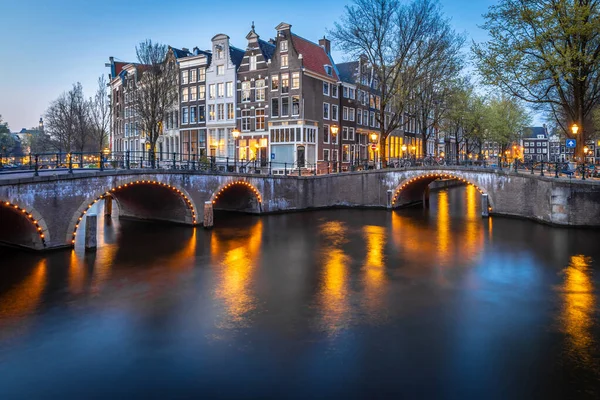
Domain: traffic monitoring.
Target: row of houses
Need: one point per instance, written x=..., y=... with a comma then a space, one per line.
x=283, y=100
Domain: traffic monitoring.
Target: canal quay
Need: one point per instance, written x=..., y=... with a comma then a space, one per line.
x=335, y=303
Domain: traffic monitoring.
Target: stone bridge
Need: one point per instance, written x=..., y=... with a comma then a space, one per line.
x=45, y=212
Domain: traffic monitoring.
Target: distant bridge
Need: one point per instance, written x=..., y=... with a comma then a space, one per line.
x=44, y=212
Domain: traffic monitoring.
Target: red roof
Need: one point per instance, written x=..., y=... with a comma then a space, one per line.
x=314, y=57
x=119, y=67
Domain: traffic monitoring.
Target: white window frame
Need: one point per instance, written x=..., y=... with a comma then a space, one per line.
x=326, y=89
x=326, y=106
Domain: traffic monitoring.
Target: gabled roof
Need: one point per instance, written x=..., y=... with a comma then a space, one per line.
x=236, y=55
x=116, y=68
x=266, y=48
x=314, y=57
x=178, y=53
x=347, y=71
x=532, y=132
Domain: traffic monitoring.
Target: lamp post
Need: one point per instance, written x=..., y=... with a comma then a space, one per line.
x=574, y=130
x=256, y=151
x=373, y=138
x=236, y=134
x=334, y=133
x=404, y=151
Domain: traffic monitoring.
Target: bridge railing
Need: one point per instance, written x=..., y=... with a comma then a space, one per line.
x=77, y=161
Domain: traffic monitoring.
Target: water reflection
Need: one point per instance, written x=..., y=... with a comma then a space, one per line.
x=334, y=283
x=236, y=258
x=578, y=310
x=25, y=297
x=374, y=268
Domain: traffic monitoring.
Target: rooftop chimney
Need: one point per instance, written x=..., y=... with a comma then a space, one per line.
x=326, y=44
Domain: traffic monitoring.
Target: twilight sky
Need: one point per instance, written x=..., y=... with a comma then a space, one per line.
x=47, y=45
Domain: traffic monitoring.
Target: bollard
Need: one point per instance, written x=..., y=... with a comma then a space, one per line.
x=485, y=205
x=208, y=214
x=107, y=208
x=91, y=222
x=389, y=199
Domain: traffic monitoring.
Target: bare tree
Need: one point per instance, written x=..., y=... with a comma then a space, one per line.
x=100, y=114
x=390, y=34
x=156, y=89
x=67, y=121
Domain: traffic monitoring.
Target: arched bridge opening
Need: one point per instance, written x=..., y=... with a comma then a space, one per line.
x=238, y=196
x=415, y=190
x=146, y=200
x=22, y=227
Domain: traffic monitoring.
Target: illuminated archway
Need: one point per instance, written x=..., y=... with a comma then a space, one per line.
x=33, y=226
x=114, y=192
x=238, y=195
x=426, y=178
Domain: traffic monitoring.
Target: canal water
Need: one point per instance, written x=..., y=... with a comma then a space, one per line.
x=414, y=303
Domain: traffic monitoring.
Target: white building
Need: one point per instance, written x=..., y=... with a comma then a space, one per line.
x=221, y=79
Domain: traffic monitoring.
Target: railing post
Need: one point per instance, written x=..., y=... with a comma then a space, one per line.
x=174, y=165
x=57, y=159
x=193, y=162
x=270, y=162
x=37, y=166
x=227, y=163
x=556, y=170
x=285, y=169
x=101, y=162
x=583, y=170
x=127, y=160
x=30, y=161
x=299, y=172
x=542, y=169
x=70, y=163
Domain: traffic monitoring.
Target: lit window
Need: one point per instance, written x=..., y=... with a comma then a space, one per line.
x=284, y=61
x=296, y=80
x=246, y=91
x=283, y=45
x=252, y=63
x=220, y=70
x=260, y=89
x=275, y=82
x=229, y=89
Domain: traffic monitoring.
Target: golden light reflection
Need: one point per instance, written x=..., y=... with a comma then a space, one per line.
x=374, y=268
x=25, y=297
x=334, y=289
x=577, y=316
x=237, y=259
x=185, y=258
x=443, y=227
x=76, y=274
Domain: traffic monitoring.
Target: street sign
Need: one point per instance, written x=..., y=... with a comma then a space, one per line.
x=272, y=156
x=571, y=143
x=373, y=146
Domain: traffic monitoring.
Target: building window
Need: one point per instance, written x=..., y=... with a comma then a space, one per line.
x=245, y=120
x=252, y=63
x=245, y=91
x=229, y=89
x=218, y=52
x=260, y=119
x=345, y=133
x=284, y=61
x=201, y=74
x=285, y=106
x=345, y=92
x=334, y=112
x=211, y=112
x=193, y=75
x=285, y=83
x=184, y=115
x=201, y=92
x=366, y=119
x=325, y=133
x=260, y=89
x=325, y=154
x=220, y=70
x=351, y=134
x=283, y=45
x=184, y=77
x=325, y=110
x=334, y=91
x=275, y=82
x=345, y=114
x=351, y=114
x=220, y=112
x=193, y=92
x=275, y=107
x=201, y=115
x=230, y=112
x=192, y=115
x=295, y=105
x=220, y=90
x=326, y=88
x=184, y=97
x=296, y=80
x=359, y=117
x=328, y=70
x=211, y=91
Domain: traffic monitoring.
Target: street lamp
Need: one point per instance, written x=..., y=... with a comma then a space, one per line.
x=256, y=151
x=575, y=129
x=404, y=150
x=334, y=132
x=236, y=134
x=373, y=139
x=414, y=150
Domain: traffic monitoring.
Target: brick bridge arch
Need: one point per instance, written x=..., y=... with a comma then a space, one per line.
x=24, y=226
x=237, y=195
x=155, y=201
x=414, y=186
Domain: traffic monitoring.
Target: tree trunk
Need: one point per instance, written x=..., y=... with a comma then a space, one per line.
x=383, y=145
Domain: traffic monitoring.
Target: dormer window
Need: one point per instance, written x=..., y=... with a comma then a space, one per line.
x=218, y=52
x=283, y=45
x=329, y=70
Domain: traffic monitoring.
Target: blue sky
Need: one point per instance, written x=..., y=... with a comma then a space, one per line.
x=47, y=45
